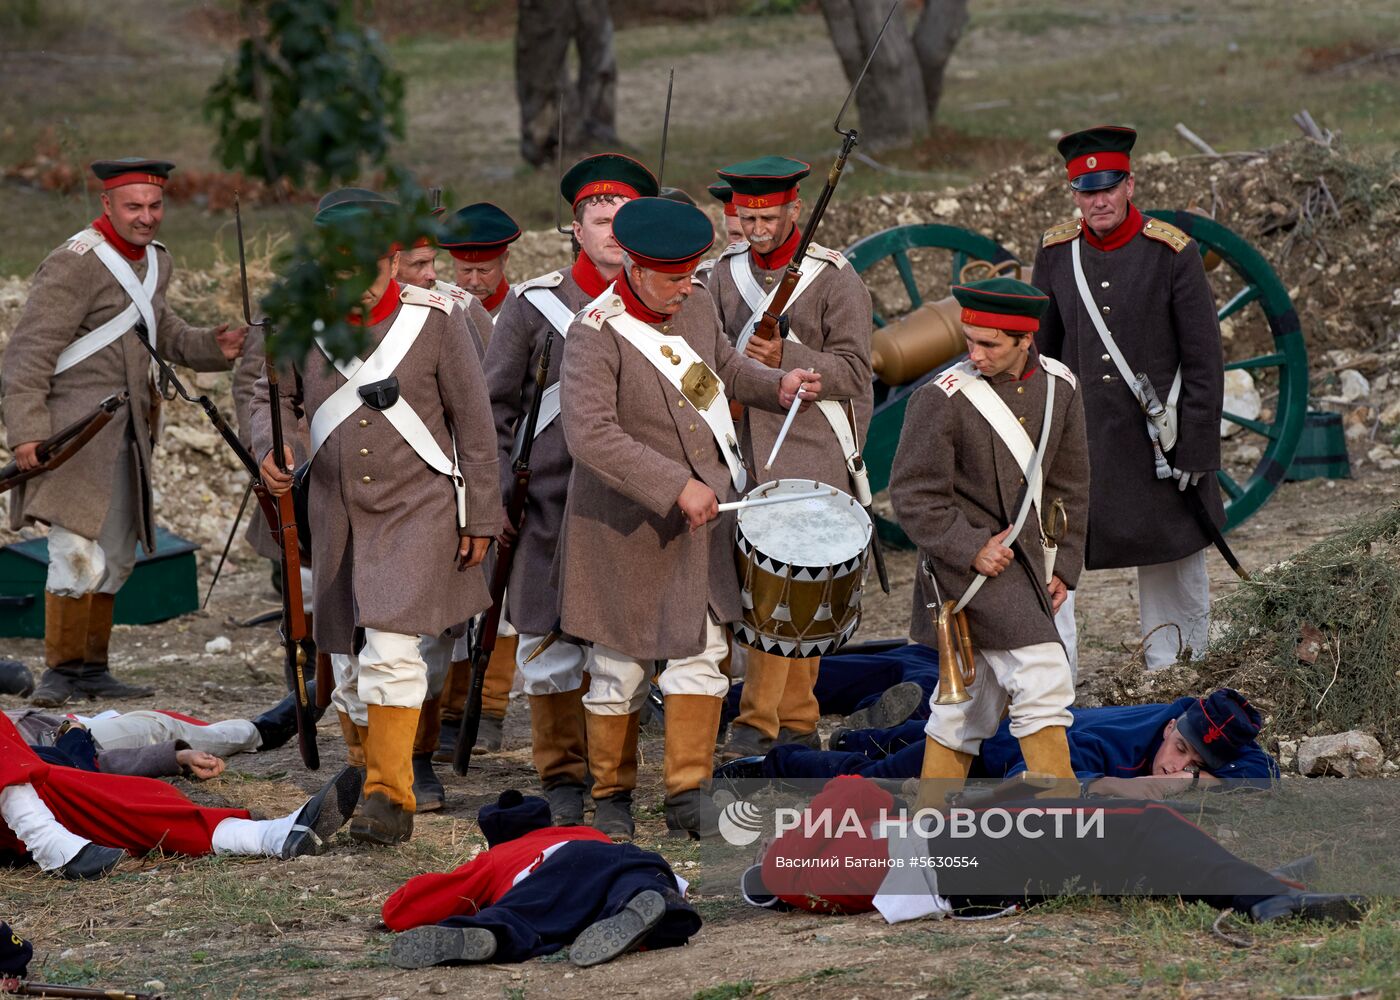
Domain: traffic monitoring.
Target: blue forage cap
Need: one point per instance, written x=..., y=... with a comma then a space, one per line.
x=513, y=815
x=1219, y=727
x=15, y=953
x=663, y=235
x=478, y=232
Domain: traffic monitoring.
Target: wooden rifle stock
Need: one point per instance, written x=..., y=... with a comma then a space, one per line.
x=58, y=448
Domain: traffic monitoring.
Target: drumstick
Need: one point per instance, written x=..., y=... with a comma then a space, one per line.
x=792, y=414
x=777, y=498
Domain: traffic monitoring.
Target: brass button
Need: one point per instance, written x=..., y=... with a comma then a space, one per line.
x=767, y=279
x=1107, y=358
x=1103, y=284
x=364, y=451
x=665, y=327
x=1107, y=308
x=692, y=427
x=1021, y=419
x=681, y=402
x=1022, y=481
x=1108, y=378
x=364, y=423
x=367, y=479
x=1020, y=390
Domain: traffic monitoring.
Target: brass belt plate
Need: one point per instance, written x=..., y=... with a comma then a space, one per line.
x=699, y=385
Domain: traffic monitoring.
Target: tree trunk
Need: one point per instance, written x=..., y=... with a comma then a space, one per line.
x=545, y=30
x=936, y=33
x=890, y=100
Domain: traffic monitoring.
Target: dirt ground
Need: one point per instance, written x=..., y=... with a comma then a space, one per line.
x=310, y=928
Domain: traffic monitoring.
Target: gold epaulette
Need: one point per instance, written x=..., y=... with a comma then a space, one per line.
x=1165, y=232
x=1062, y=233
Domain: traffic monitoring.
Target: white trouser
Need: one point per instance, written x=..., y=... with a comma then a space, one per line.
x=79, y=566
x=259, y=837
x=1034, y=680
x=1177, y=595
x=52, y=844
x=389, y=670
x=555, y=671
x=618, y=684
x=437, y=653
x=1069, y=634
x=308, y=589
x=143, y=729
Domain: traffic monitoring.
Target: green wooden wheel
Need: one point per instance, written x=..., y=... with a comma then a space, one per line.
x=1250, y=280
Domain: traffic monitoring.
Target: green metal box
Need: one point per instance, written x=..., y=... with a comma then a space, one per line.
x=163, y=585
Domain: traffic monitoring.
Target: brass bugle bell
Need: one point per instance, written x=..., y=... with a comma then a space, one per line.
x=957, y=670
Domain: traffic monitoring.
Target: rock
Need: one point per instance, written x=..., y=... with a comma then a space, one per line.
x=945, y=206
x=220, y=644
x=1343, y=755
x=1389, y=768
x=153, y=986
x=206, y=442
x=1287, y=752
x=1248, y=454
x=1241, y=398
x=1390, y=416
x=1354, y=386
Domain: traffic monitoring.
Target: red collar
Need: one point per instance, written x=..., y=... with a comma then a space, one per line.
x=382, y=310
x=781, y=255
x=498, y=296
x=128, y=250
x=635, y=306
x=588, y=277
x=1120, y=237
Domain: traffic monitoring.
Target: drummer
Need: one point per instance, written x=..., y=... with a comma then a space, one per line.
x=974, y=435
x=828, y=330
x=654, y=452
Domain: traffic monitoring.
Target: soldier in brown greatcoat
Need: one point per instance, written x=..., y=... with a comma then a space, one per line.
x=830, y=328
x=646, y=566
x=1144, y=280
x=404, y=501
x=479, y=238
x=72, y=347
x=959, y=489
x=596, y=187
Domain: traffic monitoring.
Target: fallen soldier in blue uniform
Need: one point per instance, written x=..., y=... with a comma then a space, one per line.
x=1132, y=751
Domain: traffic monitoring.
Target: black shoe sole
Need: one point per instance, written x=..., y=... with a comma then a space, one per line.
x=890, y=710
x=325, y=813
x=92, y=862
x=426, y=946
x=617, y=935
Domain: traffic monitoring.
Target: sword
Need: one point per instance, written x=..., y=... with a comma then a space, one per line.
x=1197, y=506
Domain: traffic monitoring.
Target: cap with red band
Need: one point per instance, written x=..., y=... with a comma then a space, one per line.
x=663, y=235
x=478, y=233
x=721, y=191
x=132, y=170
x=1002, y=304
x=766, y=182
x=1097, y=158
x=607, y=174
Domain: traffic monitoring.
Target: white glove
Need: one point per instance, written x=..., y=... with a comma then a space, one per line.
x=1185, y=479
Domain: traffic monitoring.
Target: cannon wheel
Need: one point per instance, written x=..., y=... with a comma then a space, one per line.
x=1258, y=284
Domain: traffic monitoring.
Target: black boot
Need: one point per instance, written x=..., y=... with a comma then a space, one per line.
x=614, y=936
x=693, y=814
x=490, y=734
x=381, y=821
x=812, y=740
x=427, y=789
x=97, y=682
x=433, y=945
x=1344, y=909
x=566, y=804
x=93, y=861
x=55, y=688
x=279, y=723
x=15, y=678
x=613, y=816
x=324, y=814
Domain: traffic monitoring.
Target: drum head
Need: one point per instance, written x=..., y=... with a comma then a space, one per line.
x=828, y=528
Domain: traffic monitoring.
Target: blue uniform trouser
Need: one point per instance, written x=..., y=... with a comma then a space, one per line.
x=578, y=885
x=850, y=681
x=896, y=753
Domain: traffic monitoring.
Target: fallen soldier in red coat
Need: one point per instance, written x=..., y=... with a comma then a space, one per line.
x=79, y=824
x=1030, y=851
x=537, y=889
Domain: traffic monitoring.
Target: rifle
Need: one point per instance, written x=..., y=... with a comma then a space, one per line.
x=58, y=448
x=500, y=573
x=294, y=620
x=29, y=988
x=767, y=327
x=281, y=518
x=665, y=129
